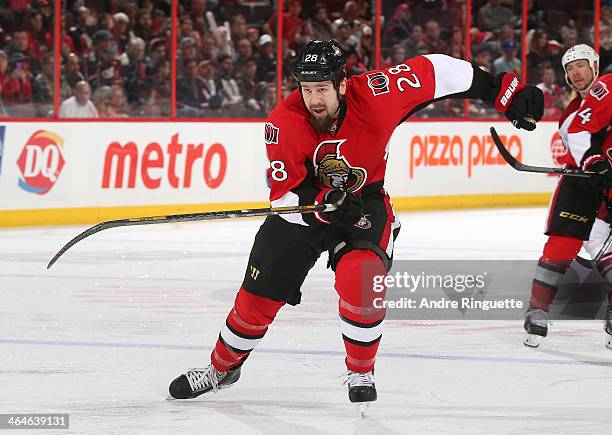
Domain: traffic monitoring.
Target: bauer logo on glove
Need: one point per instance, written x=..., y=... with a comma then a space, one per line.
x=522, y=105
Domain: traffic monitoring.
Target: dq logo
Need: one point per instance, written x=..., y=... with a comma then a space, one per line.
x=41, y=161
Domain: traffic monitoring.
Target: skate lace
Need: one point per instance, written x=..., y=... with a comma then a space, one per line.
x=202, y=378
x=355, y=379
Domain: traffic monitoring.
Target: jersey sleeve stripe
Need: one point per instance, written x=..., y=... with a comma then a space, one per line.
x=451, y=75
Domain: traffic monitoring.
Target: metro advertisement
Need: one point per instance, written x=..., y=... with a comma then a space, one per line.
x=77, y=166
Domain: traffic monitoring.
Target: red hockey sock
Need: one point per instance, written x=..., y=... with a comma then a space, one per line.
x=244, y=328
x=361, y=320
x=559, y=252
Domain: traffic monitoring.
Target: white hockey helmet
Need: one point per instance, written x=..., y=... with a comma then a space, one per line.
x=578, y=52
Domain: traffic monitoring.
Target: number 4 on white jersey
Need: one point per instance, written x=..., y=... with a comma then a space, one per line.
x=585, y=115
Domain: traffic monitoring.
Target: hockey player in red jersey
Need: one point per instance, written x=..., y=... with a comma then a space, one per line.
x=327, y=142
x=584, y=127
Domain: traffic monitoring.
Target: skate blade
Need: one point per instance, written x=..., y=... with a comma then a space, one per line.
x=170, y=398
x=609, y=342
x=533, y=340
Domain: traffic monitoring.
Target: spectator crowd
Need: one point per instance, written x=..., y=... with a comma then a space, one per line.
x=116, y=54
x=114, y=58
x=416, y=27
x=227, y=56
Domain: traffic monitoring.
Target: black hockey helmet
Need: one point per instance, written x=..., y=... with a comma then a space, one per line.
x=321, y=61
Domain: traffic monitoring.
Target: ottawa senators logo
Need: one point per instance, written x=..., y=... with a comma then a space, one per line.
x=333, y=170
x=378, y=83
x=271, y=134
x=599, y=90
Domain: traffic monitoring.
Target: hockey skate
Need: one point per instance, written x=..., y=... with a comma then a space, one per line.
x=199, y=381
x=361, y=389
x=536, y=325
x=608, y=328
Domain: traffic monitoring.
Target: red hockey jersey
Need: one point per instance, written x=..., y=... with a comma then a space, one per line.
x=585, y=122
x=305, y=163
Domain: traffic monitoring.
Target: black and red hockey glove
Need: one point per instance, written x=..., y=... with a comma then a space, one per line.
x=522, y=105
x=601, y=165
x=350, y=207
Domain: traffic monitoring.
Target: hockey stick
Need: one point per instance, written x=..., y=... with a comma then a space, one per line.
x=509, y=158
x=603, y=249
x=206, y=216
x=592, y=263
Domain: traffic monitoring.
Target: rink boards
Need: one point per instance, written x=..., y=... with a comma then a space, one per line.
x=74, y=173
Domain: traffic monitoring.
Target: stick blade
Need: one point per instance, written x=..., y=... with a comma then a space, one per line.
x=88, y=232
x=509, y=158
x=191, y=217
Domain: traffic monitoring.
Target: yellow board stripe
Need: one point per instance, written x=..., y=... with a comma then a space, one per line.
x=92, y=215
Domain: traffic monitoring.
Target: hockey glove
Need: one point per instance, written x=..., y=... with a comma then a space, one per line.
x=522, y=105
x=601, y=165
x=350, y=208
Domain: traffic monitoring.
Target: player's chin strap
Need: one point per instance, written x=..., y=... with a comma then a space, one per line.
x=340, y=113
x=340, y=99
x=588, y=87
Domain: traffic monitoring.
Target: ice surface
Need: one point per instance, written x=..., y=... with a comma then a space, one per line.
x=101, y=335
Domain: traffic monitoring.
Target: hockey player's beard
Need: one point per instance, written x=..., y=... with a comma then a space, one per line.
x=322, y=124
